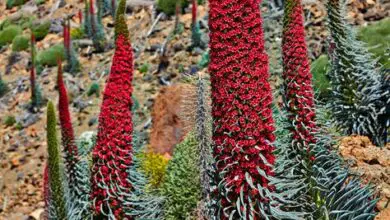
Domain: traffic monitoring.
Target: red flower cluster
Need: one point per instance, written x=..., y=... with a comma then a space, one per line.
x=67, y=134
x=112, y=155
x=297, y=76
x=242, y=98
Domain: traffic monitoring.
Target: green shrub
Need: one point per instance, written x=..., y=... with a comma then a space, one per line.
x=13, y=3
x=94, y=89
x=144, y=68
x=24, y=21
x=77, y=33
x=154, y=166
x=321, y=83
x=41, y=30
x=8, y=34
x=181, y=186
x=377, y=38
x=20, y=43
x=40, y=2
x=3, y=88
x=9, y=120
x=169, y=6
x=49, y=56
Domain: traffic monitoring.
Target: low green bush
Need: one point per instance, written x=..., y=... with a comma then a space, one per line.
x=20, y=43
x=181, y=186
x=154, y=166
x=24, y=21
x=377, y=38
x=3, y=88
x=13, y=3
x=8, y=34
x=321, y=83
x=9, y=120
x=169, y=6
x=144, y=68
x=94, y=89
x=76, y=33
x=50, y=56
x=41, y=30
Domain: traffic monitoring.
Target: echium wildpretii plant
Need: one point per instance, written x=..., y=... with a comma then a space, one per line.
x=242, y=117
x=298, y=100
x=56, y=193
x=203, y=135
x=355, y=80
x=36, y=95
x=96, y=28
x=106, y=7
x=76, y=166
x=116, y=184
x=73, y=64
x=323, y=187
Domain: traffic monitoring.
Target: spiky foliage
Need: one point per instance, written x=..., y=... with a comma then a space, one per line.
x=113, y=8
x=384, y=118
x=97, y=30
x=195, y=28
x=332, y=192
x=57, y=193
x=355, y=81
x=203, y=136
x=87, y=20
x=36, y=96
x=73, y=64
x=112, y=155
x=243, y=124
x=181, y=187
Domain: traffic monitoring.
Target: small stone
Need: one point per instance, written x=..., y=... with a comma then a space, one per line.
x=37, y=214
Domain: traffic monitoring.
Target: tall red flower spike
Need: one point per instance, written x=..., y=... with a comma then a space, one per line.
x=194, y=11
x=242, y=98
x=296, y=73
x=80, y=15
x=66, y=33
x=67, y=134
x=112, y=155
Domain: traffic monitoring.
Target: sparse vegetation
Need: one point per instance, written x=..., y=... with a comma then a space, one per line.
x=40, y=30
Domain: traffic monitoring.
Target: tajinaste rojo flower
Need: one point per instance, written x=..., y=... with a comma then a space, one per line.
x=241, y=109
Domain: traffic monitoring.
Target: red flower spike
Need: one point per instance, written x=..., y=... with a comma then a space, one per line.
x=67, y=134
x=194, y=11
x=297, y=76
x=242, y=100
x=112, y=153
x=80, y=15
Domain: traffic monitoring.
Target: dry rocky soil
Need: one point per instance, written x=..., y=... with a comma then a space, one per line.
x=158, y=91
